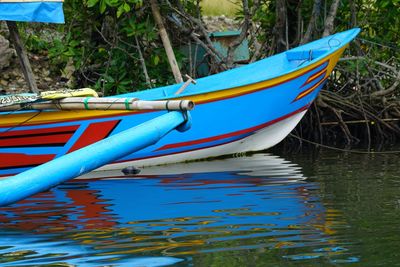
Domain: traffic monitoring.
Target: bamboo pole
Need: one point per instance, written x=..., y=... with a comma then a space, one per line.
x=97, y=103
x=166, y=42
x=23, y=57
x=186, y=84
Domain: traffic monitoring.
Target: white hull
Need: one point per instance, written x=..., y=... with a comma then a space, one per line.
x=261, y=140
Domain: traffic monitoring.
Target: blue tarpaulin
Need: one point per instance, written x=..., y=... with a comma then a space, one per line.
x=32, y=11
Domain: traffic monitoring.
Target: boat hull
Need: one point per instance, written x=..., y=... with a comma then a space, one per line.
x=259, y=140
x=237, y=114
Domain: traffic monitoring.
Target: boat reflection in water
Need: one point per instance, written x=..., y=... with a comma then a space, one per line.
x=255, y=208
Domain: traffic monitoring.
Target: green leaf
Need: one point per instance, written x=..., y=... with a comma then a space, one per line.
x=127, y=7
x=120, y=10
x=103, y=6
x=156, y=60
x=92, y=3
x=74, y=43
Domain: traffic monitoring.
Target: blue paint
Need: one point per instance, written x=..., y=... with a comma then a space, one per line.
x=87, y=159
x=50, y=12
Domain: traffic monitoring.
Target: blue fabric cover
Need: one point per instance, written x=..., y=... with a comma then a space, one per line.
x=32, y=12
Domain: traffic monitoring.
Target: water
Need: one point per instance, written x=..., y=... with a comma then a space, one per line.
x=307, y=209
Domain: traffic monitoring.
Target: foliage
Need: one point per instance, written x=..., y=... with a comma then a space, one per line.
x=102, y=41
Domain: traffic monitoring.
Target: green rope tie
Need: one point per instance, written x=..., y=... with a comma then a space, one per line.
x=85, y=103
x=127, y=102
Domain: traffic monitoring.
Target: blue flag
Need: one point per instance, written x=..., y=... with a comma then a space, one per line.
x=50, y=11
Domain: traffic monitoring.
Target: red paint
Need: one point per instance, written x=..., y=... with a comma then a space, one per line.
x=315, y=76
x=94, y=133
x=37, y=132
x=54, y=139
x=309, y=90
x=56, y=136
x=19, y=160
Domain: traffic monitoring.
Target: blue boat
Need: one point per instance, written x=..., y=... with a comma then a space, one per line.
x=249, y=108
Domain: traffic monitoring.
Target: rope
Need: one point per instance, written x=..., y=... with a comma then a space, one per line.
x=343, y=149
x=127, y=106
x=21, y=123
x=85, y=103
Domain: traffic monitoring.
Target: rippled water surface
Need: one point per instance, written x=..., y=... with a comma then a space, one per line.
x=308, y=209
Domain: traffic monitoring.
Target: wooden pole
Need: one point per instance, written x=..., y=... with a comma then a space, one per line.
x=107, y=103
x=22, y=55
x=166, y=41
x=186, y=84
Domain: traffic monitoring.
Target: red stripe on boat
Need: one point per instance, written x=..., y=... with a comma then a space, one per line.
x=232, y=134
x=38, y=132
x=55, y=139
x=94, y=133
x=19, y=160
x=309, y=90
x=315, y=76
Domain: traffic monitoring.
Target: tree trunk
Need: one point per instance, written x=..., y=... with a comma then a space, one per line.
x=22, y=55
x=329, y=22
x=353, y=10
x=166, y=41
x=312, y=23
x=281, y=26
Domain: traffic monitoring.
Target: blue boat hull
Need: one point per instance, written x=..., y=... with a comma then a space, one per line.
x=250, y=108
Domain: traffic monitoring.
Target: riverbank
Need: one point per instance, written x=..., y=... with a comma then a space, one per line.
x=12, y=80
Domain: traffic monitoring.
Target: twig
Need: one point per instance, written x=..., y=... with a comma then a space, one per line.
x=143, y=63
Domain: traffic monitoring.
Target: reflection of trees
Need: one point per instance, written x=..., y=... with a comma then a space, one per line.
x=360, y=193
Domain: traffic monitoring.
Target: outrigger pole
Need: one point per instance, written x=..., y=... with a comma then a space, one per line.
x=106, y=103
x=84, y=160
